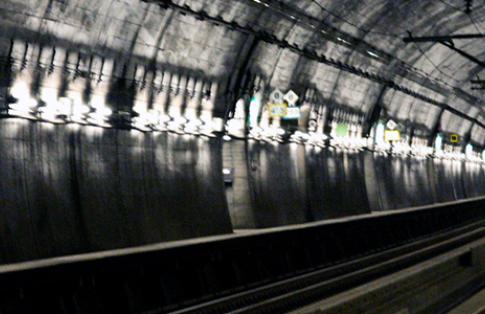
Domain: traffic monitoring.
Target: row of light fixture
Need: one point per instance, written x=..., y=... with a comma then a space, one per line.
x=66, y=110
x=353, y=141
x=71, y=107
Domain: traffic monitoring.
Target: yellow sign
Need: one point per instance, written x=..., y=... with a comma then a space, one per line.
x=277, y=110
x=392, y=135
x=455, y=138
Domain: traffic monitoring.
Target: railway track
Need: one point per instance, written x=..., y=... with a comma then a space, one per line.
x=290, y=294
x=261, y=271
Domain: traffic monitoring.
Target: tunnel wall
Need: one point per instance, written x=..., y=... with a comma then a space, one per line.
x=290, y=184
x=71, y=189
x=85, y=188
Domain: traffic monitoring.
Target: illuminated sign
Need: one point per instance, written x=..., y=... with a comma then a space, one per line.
x=455, y=138
x=276, y=96
x=254, y=107
x=342, y=129
x=291, y=97
x=277, y=110
x=438, y=143
x=391, y=125
x=392, y=135
x=292, y=113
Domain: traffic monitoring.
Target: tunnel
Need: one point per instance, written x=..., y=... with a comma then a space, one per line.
x=242, y=156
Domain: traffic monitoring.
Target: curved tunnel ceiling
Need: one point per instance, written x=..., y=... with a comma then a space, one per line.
x=350, y=51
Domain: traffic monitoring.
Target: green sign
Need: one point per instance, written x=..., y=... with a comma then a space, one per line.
x=342, y=129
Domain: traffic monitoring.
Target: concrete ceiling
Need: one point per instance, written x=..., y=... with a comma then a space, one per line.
x=366, y=34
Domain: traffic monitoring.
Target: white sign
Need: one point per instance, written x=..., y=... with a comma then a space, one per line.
x=392, y=136
x=291, y=97
x=293, y=113
x=391, y=125
x=276, y=96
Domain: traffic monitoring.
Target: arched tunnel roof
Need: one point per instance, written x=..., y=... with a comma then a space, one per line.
x=176, y=156
x=351, y=52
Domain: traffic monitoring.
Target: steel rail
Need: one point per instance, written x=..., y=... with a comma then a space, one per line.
x=304, y=289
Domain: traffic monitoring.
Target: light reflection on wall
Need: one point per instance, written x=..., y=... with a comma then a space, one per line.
x=74, y=88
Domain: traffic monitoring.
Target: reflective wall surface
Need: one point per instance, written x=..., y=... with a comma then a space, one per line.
x=71, y=189
x=290, y=184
